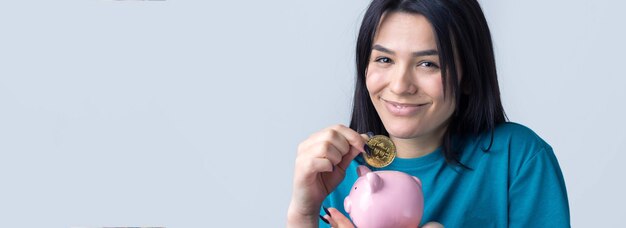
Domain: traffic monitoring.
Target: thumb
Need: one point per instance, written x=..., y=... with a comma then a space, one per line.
x=432, y=225
x=337, y=219
x=346, y=159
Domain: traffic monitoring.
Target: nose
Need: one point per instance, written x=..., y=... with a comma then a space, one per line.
x=403, y=82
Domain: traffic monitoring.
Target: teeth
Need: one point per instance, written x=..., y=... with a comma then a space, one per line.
x=397, y=106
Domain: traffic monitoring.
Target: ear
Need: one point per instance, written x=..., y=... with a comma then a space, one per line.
x=362, y=170
x=374, y=182
x=419, y=182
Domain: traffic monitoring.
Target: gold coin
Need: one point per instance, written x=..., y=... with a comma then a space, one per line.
x=382, y=151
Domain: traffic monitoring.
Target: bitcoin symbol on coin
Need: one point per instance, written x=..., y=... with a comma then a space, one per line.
x=381, y=151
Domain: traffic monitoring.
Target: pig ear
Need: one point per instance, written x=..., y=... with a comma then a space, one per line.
x=362, y=170
x=419, y=182
x=374, y=181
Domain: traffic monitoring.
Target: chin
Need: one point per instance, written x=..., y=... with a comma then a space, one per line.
x=403, y=131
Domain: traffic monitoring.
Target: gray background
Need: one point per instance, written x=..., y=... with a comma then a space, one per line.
x=188, y=113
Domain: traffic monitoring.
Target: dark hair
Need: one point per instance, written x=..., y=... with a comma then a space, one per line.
x=460, y=28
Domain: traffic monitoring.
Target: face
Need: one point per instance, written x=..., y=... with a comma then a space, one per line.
x=404, y=78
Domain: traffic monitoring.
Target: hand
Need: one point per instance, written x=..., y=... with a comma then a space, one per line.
x=338, y=220
x=432, y=225
x=320, y=166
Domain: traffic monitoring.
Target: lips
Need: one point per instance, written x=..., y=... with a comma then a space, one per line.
x=403, y=109
x=401, y=104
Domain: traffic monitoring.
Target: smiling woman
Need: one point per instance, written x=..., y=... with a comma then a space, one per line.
x=426, y=78
x=405, y=84
x=446, y=44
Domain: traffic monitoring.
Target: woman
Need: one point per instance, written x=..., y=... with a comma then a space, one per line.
x=426, y=77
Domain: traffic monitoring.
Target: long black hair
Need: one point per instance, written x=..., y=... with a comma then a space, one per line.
x=460, y=28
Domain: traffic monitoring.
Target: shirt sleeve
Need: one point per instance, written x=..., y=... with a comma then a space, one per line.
x=537, y=194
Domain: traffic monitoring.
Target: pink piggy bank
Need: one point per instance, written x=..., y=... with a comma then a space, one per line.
x=385, y=199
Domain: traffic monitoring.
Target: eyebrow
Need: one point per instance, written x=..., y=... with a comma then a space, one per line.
x=378, y=47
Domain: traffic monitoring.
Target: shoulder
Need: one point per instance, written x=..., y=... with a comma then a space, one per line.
x=518, y=132
x=509, y=141
x=514, y=136
x=520, y=143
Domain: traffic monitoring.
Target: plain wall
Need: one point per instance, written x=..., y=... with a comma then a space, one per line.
x=188, y=113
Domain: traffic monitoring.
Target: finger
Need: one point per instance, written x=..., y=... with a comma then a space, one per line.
x=315, y=165
x=336, y=138
x=346, y=159
x=433, y=225
x=330, y=220
x=352, y=137
x=326, y=135
x=330, y=142
x=342, y=137
x=365, y=137
x=328, y=151
x=337, y=219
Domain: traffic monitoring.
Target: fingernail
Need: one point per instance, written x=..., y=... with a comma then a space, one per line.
x=323, y=219
x=327, y=212
x=367, y=149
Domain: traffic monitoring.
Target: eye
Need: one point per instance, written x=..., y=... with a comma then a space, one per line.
x=428, y=64
x=383, y=60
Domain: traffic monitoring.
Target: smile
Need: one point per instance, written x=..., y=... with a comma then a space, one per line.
x=403, y=109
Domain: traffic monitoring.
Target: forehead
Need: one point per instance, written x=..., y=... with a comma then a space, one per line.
x=405, y=32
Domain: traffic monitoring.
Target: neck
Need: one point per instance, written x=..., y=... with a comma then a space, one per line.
x=418, y=146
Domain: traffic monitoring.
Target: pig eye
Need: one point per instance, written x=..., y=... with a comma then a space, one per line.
x=354, y=188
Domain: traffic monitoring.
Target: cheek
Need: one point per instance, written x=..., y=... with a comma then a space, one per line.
x=435, y=91
x=433, y=87
x=375, y=80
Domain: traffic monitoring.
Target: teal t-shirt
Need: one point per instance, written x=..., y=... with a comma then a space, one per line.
x=517, y=183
